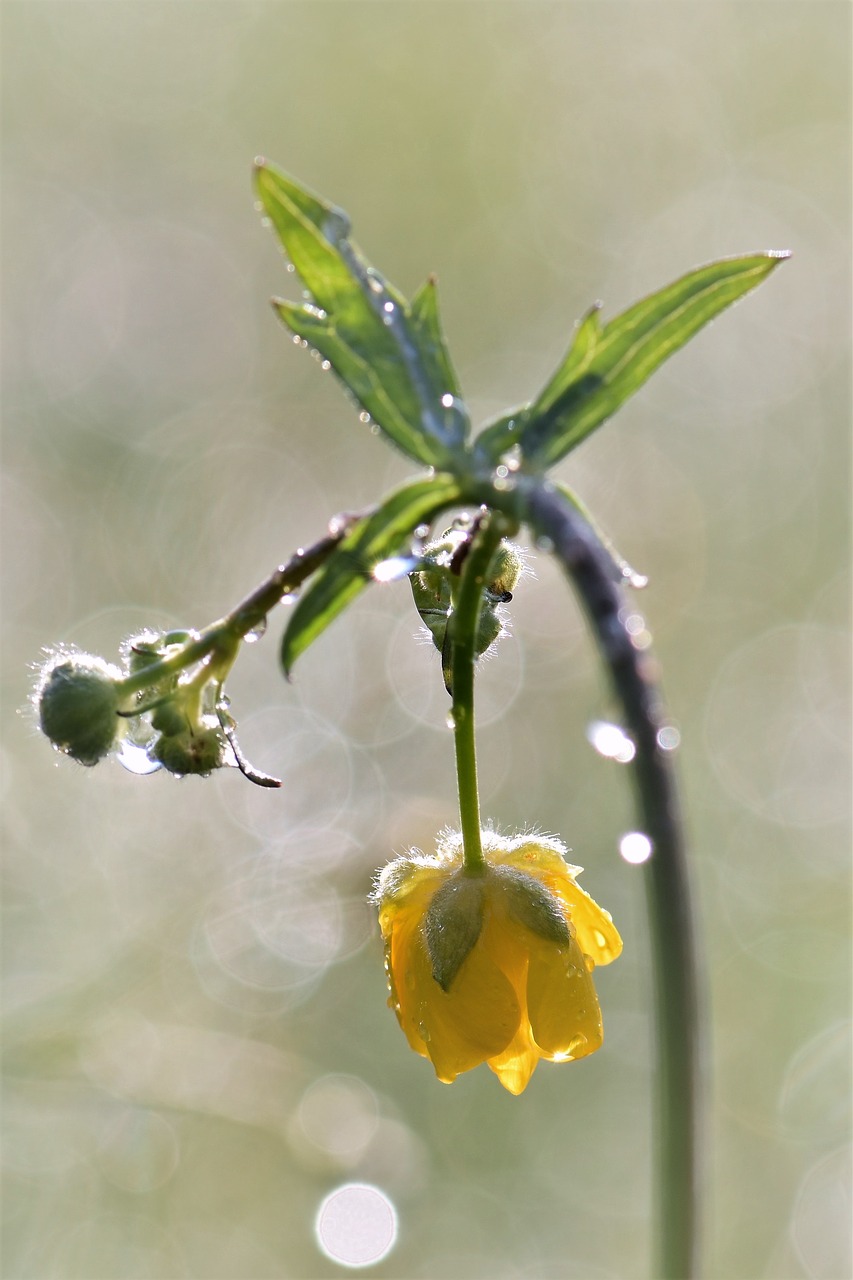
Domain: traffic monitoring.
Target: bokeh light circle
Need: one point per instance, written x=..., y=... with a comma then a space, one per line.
x=356, y=1225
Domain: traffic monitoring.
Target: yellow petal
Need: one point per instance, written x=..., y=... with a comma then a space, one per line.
x=565, y=1017
x=399, y=952
x=596, y=932
x=516, y=1064
x=471, y=1022
x=404, y=889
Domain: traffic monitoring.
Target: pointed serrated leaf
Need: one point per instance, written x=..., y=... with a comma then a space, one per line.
x=426, y=321
x=391, y=357
x=605, y=365
x=348, y=570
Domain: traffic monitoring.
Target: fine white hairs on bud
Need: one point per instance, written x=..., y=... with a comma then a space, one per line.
x=77, y=700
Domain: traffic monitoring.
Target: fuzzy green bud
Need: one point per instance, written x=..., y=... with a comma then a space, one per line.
x=199, y=750
x=435, y=587
x=78, y=701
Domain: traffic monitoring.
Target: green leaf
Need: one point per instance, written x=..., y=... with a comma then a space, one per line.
x=605, y=365
x=501, y=434
x=349, y=569
x=391, y=355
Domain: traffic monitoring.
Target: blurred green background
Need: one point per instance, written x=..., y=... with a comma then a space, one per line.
x=197, y=1044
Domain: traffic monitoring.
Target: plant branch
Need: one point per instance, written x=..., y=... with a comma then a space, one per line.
x=633, y=677
x=225, y=635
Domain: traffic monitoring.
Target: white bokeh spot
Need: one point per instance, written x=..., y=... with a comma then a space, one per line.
x=356, y=1225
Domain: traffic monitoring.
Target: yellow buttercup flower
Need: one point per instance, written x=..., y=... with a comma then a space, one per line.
x=494, y=966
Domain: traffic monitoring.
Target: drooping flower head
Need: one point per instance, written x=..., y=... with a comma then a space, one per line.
x=494, y=966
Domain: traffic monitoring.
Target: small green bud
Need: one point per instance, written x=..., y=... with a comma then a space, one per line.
x=504, y=572
x=78, y=700
x=169, y=718
x=199, y=750
x=434, y=588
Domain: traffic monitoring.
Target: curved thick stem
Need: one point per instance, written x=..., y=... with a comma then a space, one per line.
x=632, y=674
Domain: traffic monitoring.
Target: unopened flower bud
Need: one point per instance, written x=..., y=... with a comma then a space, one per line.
x=78, y=700
x=199, y=750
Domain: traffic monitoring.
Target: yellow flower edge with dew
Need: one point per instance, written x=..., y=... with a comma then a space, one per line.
x=495, y=967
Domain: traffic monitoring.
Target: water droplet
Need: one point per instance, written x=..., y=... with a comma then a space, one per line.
x=635, y=847
x=136, y=759
x=512, y=458
x=668, y=738
x=296, y=339
x=502, y=472
x=610, y=741
x=374, y=428
x=259, y=206
x=573, y=1048
x=396, y=567
x=545, y=545
x=634, y=579
x=422, y=531
x=364, y=416
x=450, y=720
x=325, y=365
x=454, y=416
x=375, y=283
x=291, y=268
x=251, y=637
x=423, y=1032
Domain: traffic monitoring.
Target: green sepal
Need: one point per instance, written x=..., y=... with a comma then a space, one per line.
x=391, y=355
x=452, y=925
x=533, y=905
x=348, y=570
x=606, y=364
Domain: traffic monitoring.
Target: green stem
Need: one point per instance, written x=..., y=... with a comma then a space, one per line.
x=462, y=632
x=674, y=951
x=221, y=640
